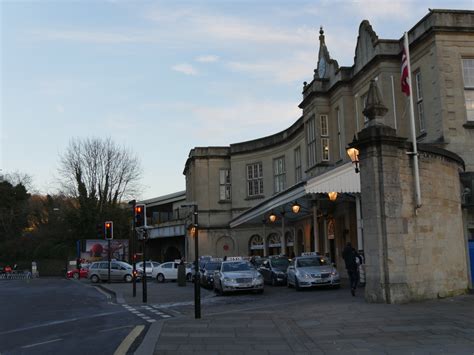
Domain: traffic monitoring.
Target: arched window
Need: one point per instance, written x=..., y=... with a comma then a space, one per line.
x=274, y=241
x=256, y=242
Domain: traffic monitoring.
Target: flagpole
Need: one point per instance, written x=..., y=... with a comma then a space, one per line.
x=414, y=153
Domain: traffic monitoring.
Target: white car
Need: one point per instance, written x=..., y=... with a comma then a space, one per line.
x=169, y=271
x=150, y=265
x=237, y=274
x=312, y=270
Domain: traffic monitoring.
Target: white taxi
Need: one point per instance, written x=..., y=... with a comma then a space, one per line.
x=312, y=270
x=237, y=274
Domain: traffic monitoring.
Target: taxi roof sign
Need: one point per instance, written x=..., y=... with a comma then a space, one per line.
x=215, y=259
x=234, y=258
x=310, y=253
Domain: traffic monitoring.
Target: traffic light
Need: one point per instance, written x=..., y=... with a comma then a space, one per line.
x=140, y=216
x=109, y=230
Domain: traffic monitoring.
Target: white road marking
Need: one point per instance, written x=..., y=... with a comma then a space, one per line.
x=151, y=320
x=116, y=328
x=44, y=342
x=59, y=322
x=128, y=341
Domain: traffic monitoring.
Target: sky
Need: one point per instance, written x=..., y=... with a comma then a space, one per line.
x=162, y=77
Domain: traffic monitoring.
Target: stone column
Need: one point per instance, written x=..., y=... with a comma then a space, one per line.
x=282, y=239
x=315, y=228
x=265, y=248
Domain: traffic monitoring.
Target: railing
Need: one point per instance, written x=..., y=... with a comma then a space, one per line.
x=15, y=276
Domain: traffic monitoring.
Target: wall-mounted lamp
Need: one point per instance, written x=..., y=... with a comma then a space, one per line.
x=353, y=153
x=332, y=195
x=295, y=207
x=272, y=217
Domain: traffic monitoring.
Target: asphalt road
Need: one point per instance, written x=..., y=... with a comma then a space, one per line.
x=59, y=316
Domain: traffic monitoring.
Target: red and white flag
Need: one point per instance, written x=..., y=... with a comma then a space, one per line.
x=405, y=76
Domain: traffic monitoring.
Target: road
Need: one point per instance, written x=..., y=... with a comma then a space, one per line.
x=59, y=316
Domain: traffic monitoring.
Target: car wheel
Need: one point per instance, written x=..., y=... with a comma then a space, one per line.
x=288, y=283
x=189, y=277
x=128, y=278
x=75, y=276
x=160, y=278
x=95, y=279
x=297, y=285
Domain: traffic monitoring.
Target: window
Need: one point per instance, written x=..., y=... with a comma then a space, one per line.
x=298, y=168
x=311, y=141
x=254, y=179
x=167, y=266
x=324, y=125
x=419, y=102
x=325, y=149
x=468, y=74
x=279, y=174
x=340, y=138
x=224, y=184
x=324, y=138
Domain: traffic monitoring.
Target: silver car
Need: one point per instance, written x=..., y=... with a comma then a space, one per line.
x=312, y=271
x=237, y=275
x=119, y=271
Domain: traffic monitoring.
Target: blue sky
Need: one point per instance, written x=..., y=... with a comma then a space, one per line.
x=161, y=77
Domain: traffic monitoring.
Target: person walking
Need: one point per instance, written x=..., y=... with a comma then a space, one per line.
x=350, y=257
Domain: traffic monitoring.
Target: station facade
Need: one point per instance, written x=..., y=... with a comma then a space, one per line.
x=297, y=190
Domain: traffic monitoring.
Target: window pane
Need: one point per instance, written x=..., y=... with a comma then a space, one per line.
x=468, y=72
x=469, y=95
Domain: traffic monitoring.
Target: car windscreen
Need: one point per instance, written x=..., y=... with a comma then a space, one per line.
x=308, y=262
x=212, y=266
x=280, y=264
x=236, y=266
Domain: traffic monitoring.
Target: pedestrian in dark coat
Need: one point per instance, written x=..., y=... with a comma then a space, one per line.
x=350, y=256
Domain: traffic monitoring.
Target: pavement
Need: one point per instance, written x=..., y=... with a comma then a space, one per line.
x=308, y=322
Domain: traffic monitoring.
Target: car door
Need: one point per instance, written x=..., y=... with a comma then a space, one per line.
x=103, y=270
x=291, y=272
x=166, y=270
x=265, y=270
x=115, y=273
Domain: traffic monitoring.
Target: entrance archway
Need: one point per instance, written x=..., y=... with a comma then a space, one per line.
x=274, y=244
x=256, y=245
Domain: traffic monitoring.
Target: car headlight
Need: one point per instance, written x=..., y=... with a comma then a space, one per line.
x=259, y=277
x=334, y=273
x=304, y=275
x=229, y=280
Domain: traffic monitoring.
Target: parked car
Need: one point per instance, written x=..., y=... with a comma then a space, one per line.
x=237, y=275
x=150, y=265
x=119, y=271
x=273, y=270
x=312, y=270
x=169, y=271
x=75, y=273
x=208, y=272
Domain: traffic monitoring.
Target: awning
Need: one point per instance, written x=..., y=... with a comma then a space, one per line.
x=256, y=213
x=341, y=179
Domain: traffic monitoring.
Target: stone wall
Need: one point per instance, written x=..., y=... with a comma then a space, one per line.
x=411, y=254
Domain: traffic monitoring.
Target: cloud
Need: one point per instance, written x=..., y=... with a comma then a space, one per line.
x=207, y=58
x=241, y=121
x=184, y=68
x=298, y=67
x=60, y=108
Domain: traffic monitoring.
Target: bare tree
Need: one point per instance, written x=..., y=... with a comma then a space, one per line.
x=98, y=169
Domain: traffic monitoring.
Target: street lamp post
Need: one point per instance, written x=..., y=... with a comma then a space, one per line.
x=134, y=261
x=197, y=287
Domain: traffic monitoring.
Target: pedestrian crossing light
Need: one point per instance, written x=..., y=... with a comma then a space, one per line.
x=109, y=230
x=140, y=216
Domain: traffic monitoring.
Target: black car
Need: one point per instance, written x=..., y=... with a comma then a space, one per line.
x=273, y=270
x=207, y=273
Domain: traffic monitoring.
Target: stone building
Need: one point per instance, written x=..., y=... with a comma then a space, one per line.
x=297, y=190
